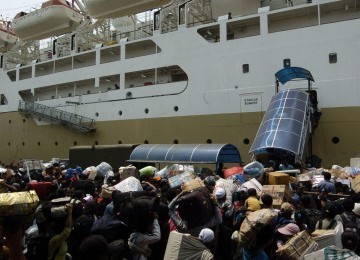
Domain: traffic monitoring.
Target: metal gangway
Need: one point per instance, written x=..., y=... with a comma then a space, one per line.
x=71, y=120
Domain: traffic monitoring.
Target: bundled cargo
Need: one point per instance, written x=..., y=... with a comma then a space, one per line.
x=128, y=171
x=18, y=203
x=355, y=184
x=90, y=172
x=53, y=209
x=279, y=193
x=254, y=222
x=103, y=168
x=332, y=252
x=147, y=171
x=185, y=247
x=298, y=246
x=253, y=183
x=232, y=171
x=129, y=184
x=177, y=180
x=192, y=184
x=254, y=169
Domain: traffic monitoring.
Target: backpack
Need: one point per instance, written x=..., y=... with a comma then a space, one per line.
x=254, y=222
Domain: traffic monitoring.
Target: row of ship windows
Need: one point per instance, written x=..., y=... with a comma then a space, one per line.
x=146, y=111
x=246, y=141
x=287, y=62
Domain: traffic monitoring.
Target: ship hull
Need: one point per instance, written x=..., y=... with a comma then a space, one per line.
x=22, y=138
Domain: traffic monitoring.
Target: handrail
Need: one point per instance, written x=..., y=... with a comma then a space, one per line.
x=81, y=123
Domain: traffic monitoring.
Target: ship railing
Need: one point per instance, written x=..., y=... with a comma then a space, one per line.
x=72, y=120
x=279, y=4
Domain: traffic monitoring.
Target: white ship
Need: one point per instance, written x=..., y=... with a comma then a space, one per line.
x=101, y=72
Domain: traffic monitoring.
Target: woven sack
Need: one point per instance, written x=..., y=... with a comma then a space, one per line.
x=18, y=203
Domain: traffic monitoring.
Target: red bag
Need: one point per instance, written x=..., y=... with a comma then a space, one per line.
x=231, y=171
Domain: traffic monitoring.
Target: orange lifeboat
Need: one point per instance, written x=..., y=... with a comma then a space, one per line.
x=55, y=17
x=117, y=8
x=7, y=36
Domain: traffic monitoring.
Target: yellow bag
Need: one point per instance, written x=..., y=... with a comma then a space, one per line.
x=18, y=203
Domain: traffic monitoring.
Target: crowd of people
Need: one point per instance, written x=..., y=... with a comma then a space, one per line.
x=103, y=214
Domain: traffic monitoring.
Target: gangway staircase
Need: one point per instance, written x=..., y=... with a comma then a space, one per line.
x=287, y=124
x=71, y=120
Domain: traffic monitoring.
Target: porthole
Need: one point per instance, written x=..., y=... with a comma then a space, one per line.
x=146, y=142
x=119, y=142
x=24, y=120
x=96, y=114
x=209, y=141
x=120, y=113
x=75, y=143
x=246, y=141
x=335, y=140
x=176, y=141
x=56, y=143
x=287, y=63
x=23, y=143
x=176, y=108
x=9, y=121
x=39, y=143
x=96, y=143
x=146, y=110
x=9, y=143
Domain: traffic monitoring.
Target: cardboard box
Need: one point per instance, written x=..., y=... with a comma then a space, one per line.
x=280, y=193
x=355, y=184
x=278, y=178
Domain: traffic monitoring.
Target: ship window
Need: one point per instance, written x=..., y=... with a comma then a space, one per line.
x=335, y=140
x=146, y=142
x=88, y=92
x=287, y=63
x=24, y=120
x=146, y=110
x=9, y=143
x=332, y=58
x=38, y=143
x=56, y=143
x=52, y=97
x=120, y=113
x=246, y=141
x=96, y=142
x=96, y=114
x=176, y=141
x=209, y=141
x=119, y=142
x=245, y=68
x=9, y=121
x=75, y=143
x=176, y=108
x=23, y=143
x=69, y=95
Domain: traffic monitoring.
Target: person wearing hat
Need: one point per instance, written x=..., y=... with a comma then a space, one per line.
x=326, y=185
x=285, y=232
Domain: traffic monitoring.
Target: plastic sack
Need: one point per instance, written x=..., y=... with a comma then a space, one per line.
x=129, y=184
x=254, y=169
x=148, y=171
x=103, y=168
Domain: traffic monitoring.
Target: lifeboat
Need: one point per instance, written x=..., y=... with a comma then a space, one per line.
x=117, y=8
x=55, y=17
x=7, y=36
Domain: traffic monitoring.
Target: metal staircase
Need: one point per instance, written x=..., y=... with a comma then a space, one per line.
x=71, y=120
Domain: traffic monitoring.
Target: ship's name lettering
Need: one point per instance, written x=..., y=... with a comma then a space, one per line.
x=251, y=101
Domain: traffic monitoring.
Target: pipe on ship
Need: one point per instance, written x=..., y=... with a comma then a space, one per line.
x=117, y=8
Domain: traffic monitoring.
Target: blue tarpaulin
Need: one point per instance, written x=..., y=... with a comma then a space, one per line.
x=290, y=73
